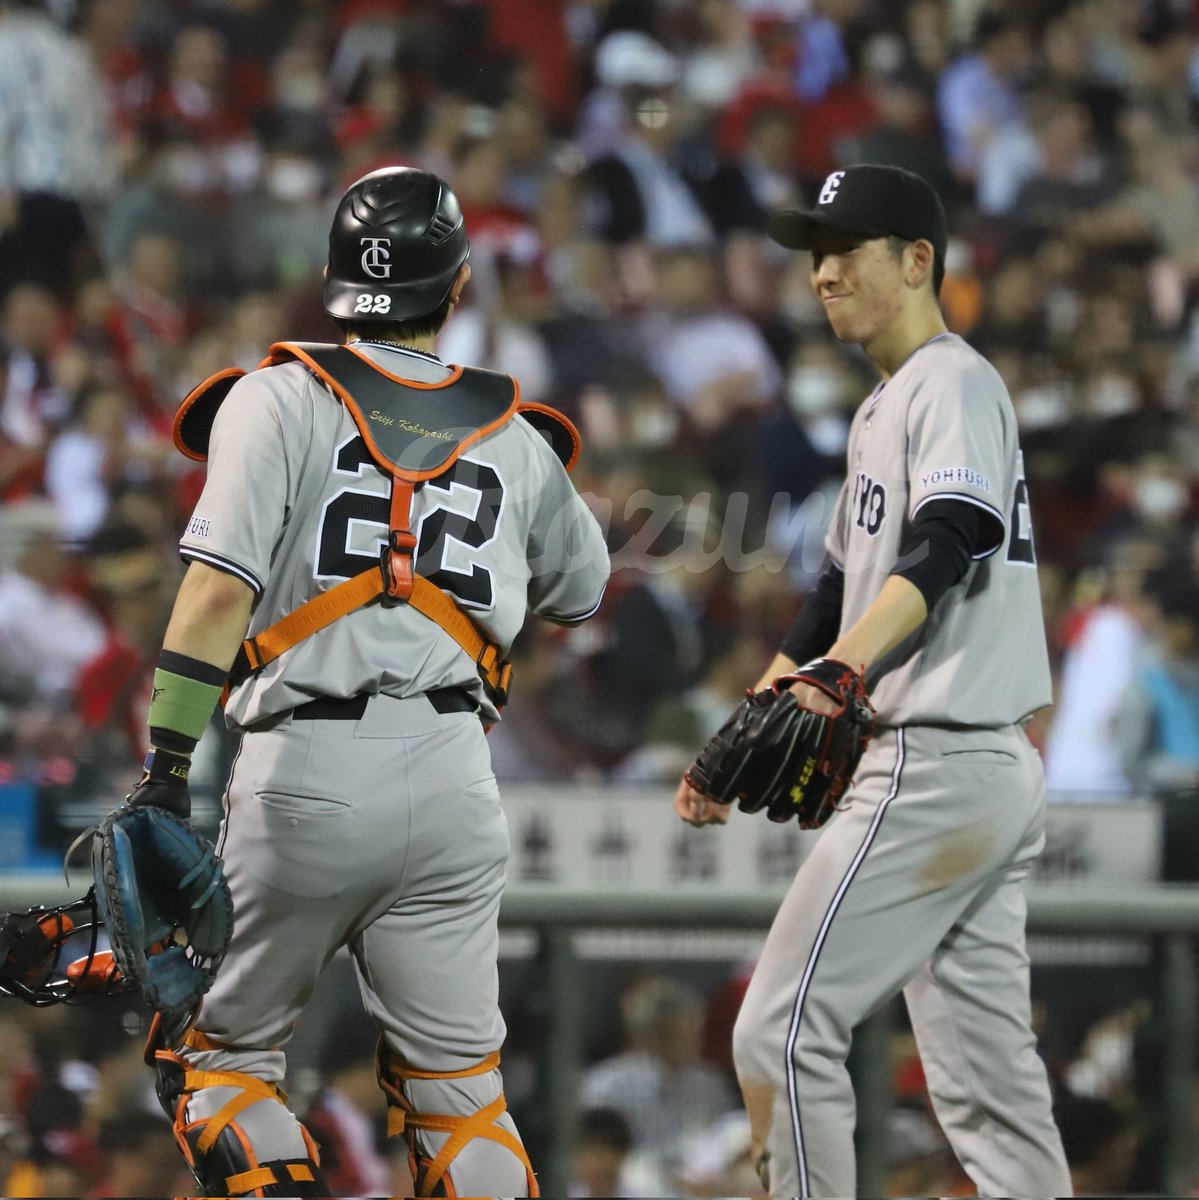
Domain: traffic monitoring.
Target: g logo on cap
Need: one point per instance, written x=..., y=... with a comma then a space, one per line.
x=376, y=258
x=828, y=193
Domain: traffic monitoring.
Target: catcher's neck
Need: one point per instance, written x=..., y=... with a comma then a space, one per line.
x=423, y=343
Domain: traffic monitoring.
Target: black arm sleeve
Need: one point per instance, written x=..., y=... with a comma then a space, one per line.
x=943, y=539
x=819, y=621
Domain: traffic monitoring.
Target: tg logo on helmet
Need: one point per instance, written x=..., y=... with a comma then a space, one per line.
x=376, y=258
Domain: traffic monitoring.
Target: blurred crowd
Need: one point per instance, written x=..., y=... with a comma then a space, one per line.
x=657, y=1119
x=659, y=1112
x=168, y=169
x=164, y=204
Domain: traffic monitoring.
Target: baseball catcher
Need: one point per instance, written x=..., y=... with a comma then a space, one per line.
x=357, y=616
x=774, y=753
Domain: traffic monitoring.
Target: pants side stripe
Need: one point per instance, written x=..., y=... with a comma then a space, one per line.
x=227, y=813
x=810, y=968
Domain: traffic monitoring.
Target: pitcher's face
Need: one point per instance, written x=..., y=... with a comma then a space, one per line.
x=859, y=279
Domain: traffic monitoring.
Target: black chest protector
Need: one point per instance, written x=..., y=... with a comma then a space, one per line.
x=413, y=432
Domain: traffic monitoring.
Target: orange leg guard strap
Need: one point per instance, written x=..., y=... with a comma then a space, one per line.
x=219, y=1149
x=402, y=1121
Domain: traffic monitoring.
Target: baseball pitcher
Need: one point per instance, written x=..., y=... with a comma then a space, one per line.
x=932, y=793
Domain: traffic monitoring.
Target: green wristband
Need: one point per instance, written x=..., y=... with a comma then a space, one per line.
x=182, y=705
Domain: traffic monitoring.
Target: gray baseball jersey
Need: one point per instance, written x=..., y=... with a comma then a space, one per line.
x=375, y=826
x=294, y=504
x=943, y=427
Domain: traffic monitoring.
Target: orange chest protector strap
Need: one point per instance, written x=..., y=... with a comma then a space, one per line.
x=414, y=432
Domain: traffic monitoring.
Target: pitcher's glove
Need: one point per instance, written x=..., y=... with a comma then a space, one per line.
x=772, y=753
x=162, y=894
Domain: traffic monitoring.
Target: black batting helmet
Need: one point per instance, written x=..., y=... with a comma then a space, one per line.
x=397, y=242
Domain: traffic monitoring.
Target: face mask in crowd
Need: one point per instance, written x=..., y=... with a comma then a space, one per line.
x=814, y=391
x=294, y=180
x=1158, y=498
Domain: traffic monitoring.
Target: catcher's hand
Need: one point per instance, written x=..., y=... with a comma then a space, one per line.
x=164, y=784
x=778, y=754
x=162, y=894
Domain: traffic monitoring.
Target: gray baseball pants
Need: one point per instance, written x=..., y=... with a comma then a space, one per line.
x=917, y=885
x=385, y=835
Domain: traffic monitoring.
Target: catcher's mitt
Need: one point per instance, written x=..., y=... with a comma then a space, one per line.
x=164, y=900
x=772, y=753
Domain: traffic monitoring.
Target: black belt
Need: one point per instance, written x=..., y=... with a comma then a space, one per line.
x=350, y=708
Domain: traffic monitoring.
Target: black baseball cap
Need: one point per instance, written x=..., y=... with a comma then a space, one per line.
x=872, y=199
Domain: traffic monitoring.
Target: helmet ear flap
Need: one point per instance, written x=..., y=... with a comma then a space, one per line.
x=396, y=245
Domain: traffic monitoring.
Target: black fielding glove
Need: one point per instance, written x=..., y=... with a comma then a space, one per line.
x=772, y=753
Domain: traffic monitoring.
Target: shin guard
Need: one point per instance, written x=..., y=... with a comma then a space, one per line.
x=239, y=1146
x=431, y=1170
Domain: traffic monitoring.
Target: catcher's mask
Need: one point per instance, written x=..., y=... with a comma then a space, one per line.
x=397, y=242
x=56, y=955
